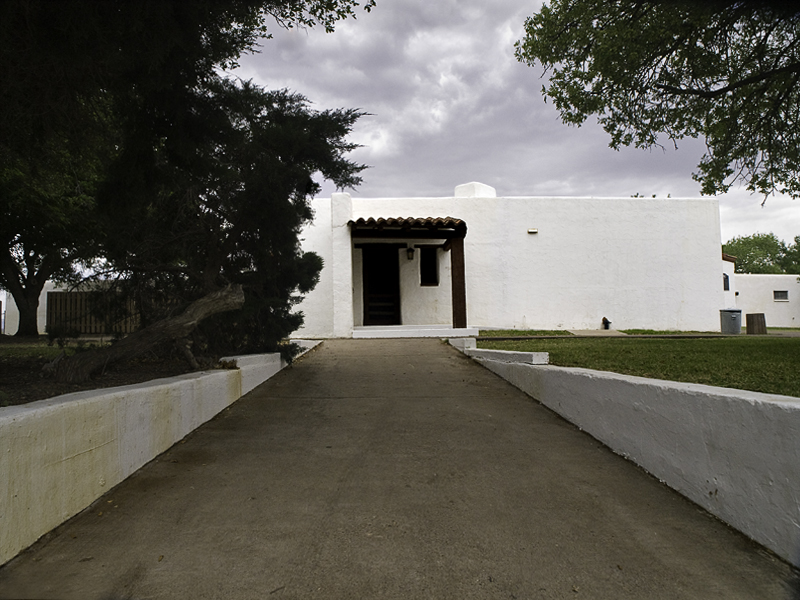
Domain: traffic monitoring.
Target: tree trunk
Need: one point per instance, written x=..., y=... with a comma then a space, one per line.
x=28, y=316
x=25, y=289
x=80, y=367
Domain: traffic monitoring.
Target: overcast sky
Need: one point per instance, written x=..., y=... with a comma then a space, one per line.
x=449, y=104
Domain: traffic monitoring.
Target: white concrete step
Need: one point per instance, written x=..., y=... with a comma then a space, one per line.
x=412, y=331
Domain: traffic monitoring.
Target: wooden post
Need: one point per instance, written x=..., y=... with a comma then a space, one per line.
x=459, y=283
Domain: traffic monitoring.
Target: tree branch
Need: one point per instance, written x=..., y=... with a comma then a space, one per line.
x=80, y=367
x=790, y=68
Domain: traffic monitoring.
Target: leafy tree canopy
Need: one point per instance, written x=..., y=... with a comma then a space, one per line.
x=726, y=72
x=764, y=253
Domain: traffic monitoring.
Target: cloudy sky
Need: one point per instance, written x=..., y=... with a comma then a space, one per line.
x=449, y=104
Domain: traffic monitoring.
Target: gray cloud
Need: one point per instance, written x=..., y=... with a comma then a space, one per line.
x=448, y=104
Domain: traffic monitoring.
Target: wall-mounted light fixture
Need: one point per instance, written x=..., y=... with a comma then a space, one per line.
x=410, y=252
x=533, y=231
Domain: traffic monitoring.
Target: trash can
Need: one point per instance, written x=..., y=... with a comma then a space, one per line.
x=730, y=320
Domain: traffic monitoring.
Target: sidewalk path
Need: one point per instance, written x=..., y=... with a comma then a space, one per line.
x=392, y=469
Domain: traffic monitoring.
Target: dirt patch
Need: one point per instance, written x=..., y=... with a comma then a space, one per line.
x=21, y=378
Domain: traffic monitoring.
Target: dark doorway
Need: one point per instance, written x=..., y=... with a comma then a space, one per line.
x=381, y=277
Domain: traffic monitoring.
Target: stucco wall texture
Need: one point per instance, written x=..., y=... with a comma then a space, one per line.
x=640, y=262
x=733, y=452
x=757, y=295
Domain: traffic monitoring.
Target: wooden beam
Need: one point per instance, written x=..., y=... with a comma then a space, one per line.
x=459, y=282
x=382, y=244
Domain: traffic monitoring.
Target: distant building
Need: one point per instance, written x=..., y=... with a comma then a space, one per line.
x=776, y=296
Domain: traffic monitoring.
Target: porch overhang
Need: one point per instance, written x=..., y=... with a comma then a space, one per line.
x=451, y=230
x=432, y=228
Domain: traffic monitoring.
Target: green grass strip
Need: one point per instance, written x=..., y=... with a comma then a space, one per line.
x=521, y=332
x=759, y=364
x=657, y=332
x=32, y=351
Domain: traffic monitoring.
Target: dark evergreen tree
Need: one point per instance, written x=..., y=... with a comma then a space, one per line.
x=119, y=141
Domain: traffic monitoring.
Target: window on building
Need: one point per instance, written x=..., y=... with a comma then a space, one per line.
x=726, y=282
x=428, y=266
x=780, y=295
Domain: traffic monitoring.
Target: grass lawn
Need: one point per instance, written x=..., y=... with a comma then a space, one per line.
x=22, y=359
x=30, y=348
x=521, y=332
x=760, y=364
x=658, y=332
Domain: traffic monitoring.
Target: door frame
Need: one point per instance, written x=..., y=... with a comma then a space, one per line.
x=393, y=255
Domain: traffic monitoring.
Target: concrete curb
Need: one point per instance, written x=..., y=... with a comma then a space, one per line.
x=59, y=455
x=509, y=356
x=463, y=344
x=733, y=452
x=469, y=347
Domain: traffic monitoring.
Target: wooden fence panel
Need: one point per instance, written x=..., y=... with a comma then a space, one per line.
x=89, y=313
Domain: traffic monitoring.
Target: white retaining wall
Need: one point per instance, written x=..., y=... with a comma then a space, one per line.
x=509, y=356
x=733, y=452
x=57, y=456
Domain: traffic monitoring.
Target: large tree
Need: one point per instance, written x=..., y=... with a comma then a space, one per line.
x=197, y=183
x=77, y=77
x=46, y=225
x=216, y=224
x=764, y=253
x=654, y=72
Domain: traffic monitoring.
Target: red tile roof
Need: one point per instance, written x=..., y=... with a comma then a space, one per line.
x=410, y=223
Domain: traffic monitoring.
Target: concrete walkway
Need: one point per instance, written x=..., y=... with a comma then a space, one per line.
x=392, y=469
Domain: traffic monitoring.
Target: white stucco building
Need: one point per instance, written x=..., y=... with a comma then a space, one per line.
x=776, y=296
x=476, y=260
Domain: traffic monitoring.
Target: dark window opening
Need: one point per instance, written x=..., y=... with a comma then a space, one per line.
x=726, y=282
x=381, y=277
x=780, y=294
x=428, y=266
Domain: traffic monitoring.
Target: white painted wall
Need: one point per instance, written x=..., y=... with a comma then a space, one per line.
x=425, y=305
x=729, y=297
x=735, y=453
x=341, y=265
x=358, y=287
x=317, y=307
x=57, y=456
x=640, y=262
x=756, y=296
